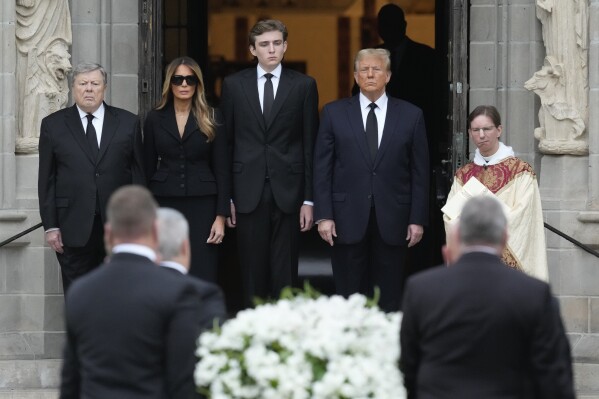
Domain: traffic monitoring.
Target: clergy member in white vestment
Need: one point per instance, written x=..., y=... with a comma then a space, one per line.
x=512, y=181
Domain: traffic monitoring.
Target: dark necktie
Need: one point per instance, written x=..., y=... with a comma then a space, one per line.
x=372, y=132
x=269, y=96
x=92, y=139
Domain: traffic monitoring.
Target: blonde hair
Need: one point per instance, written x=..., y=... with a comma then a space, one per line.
x=201, y=111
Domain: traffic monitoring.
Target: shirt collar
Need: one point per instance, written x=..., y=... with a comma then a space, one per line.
x=502, y=153
x=136, y=249
x=276, y=72
x=99, y=113
x=174, y=265
x=380, y=102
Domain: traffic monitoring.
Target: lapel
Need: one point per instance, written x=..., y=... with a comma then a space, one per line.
x=109, y=128
x=354, y=116
x=285, y=84
x=190, y=127
x=390, y=128
x=73, y=122
x=168, y=121
x=249, y=86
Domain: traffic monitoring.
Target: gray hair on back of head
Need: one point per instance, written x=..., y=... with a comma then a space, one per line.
x=482, y=222
x=173, y=229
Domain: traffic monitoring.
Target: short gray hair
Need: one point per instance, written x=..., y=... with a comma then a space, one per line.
x=482, y=222
x=173, y=230
x=381, y=53
x=84, y=67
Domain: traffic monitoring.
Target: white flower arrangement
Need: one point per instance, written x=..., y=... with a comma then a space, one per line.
x=303, y=347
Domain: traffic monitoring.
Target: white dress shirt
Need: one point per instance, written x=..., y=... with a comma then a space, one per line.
x=98, y=121
x=380, y=112
x=276, y=76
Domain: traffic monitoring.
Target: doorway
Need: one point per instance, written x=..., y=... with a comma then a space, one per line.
x=214, y=33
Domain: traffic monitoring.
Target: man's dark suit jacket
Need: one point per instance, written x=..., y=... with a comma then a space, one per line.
x=280, y=148
x=69, y=176
x=212, y=300
x=345, y=177
x=131, y=332
x=479, y=329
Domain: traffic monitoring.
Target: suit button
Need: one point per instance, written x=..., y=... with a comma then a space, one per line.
x=182, y=166
x=97, y=175
x=369, y=196
x=182, y=175
x=182, y=185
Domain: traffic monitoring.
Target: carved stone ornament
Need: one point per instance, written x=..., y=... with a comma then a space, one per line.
x=562, y=82
x=43, y=37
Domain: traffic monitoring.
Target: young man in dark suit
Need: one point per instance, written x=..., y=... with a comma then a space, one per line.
x=371, y=182
x=175, y=256
x=271, y=118
x=85, y=153
x=131, y=326
x=478, y=328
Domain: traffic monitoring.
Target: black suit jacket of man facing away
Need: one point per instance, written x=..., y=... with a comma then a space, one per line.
x=479, y=329
x=131, y=325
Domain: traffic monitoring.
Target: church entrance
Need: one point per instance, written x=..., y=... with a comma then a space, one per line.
x=323, y=38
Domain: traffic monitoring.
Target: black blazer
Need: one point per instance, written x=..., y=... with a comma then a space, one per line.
x=131, y=332
x=280, y=148
x=212, y=299
x=345, y=177
x=69, y=177
x=479, y=329
x=178, y=166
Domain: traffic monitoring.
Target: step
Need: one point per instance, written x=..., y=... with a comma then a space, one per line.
x=29, y=375
x=29, y=394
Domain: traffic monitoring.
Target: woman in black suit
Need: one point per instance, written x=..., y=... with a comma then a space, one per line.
x=187, y=163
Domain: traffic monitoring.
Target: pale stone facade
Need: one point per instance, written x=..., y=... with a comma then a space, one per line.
x=506, y=50
x=31, y=300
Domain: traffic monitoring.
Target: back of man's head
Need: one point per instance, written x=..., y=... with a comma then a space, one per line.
x=173, y=230
x=482, y=222
x=131, y=214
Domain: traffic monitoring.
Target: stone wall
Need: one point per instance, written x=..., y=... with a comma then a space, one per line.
x=506, y=49
x=31, y=299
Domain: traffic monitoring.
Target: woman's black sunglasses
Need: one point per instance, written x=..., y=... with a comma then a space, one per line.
x=177, y=80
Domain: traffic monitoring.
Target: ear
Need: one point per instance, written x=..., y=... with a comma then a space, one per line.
x=154, y=234
x=284, y=47
x=253, y=50
x=499, y=130
x=108, y=238
x=185, y=249
x=388, y=77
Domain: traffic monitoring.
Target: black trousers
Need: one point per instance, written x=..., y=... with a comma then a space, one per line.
x=77, y=261
x=358, y=268
x=268, y=245
x=200, y=212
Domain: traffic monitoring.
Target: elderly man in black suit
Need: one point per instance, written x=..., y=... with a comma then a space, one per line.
x=371, y=182
x=131, y=325
x=175, y=253
x=479, y=329
x=85, y=153
x=271, y=118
